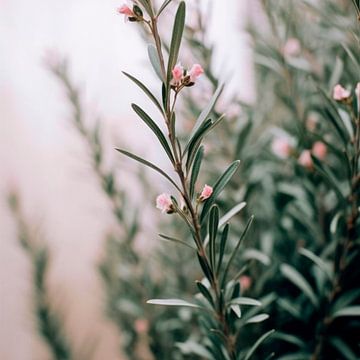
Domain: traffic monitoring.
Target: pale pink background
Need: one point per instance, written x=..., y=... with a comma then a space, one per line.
x=42, y=156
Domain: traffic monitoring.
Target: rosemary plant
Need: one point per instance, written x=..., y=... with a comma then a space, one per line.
x=220, y=298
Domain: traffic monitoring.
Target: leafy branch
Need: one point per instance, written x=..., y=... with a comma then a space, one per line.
x=220, y=293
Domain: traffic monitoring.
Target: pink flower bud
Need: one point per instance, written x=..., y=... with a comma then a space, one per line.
x=206, y=192
x=340, y=94
x=125, y=10
x=319, y=150
x=305, y=159
x=164, y=203
x=177, y=73
x=195, y=72
x=292, y=47
x=245, y=282
x=141, y=326
x=281, y=147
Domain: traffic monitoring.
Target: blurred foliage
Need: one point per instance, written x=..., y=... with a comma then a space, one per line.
x=49, y=319
x=306, y=218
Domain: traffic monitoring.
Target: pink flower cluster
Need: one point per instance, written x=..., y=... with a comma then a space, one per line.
x=281, y=147
x=165, y=204
x=318, y=150
x=245, y=282
x=292, y=48
x=340, y=93
x=126, y=10
x=206, y=192
x=182, y=77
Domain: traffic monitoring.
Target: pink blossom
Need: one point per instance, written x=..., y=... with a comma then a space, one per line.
x=281, y=147
x=340, y=94
x=319, y=150
x=141, y=326
x=164, y=203
x=195, y=72
x=126, y=10
x=292, y=47
x=245, y=282
x=305, y=159
x=177, y=73
x=206, y=192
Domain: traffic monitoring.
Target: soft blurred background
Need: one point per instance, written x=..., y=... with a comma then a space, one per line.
x=45, y=161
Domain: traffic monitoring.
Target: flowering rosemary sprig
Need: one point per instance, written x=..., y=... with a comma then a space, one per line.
x=220, y=297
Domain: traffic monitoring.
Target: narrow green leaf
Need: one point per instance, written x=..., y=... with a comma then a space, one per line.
x=317, y=261
x=176, y=40
x=156, y=130
x=233, y=255
x=213, y=228
x=207, y=110
x=231, y=213
x=291, y=339
x=251, y=352
x=164, y=95
x=335, y=118
x=257, y=319
x=193, y=348
x=147, y=6
x=155, y=62
x=335, y=222
x=348, y=311
x=150, y=165
x=206, y=293
x=173, y=123
x=271, y=356
x=224, y=219
x=240, y=272
x=194, y=143
x=242, y=138
x=172, y=302
x=300, y=355
x=218, y=187
x=328, y=177
x=223, y=241
x=183, y=216
x=343, y=348
x=300, y=282
x=242, y=300
x=254, y=254
x=346, y=299
x=195, y=170
x=205, y=268
x=354, y=58
x=146, y=90
x=178, y=241
x=200, y=133
x=163, y=6
x=236, y=309
x=290, y=307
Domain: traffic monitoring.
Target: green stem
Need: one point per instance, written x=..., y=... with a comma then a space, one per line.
x=168, y=115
